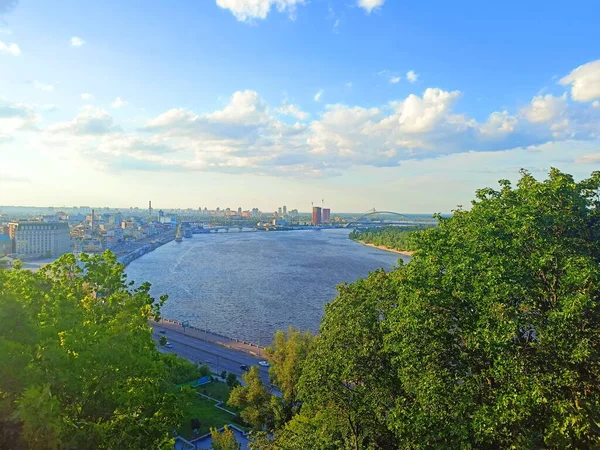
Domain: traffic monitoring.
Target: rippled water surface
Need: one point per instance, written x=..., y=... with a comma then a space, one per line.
x=247, y=285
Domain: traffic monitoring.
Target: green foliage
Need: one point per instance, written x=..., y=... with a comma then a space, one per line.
x=489, y=338
x=180, y=370
x=162, y=341
x=224, y=440
x=287, y=355
x=232, y=380
x=79, y=366
x=224, y=374
x=254, y=400
x=204, y=370
x=395, y=238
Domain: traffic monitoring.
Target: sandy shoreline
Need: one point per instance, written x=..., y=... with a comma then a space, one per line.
x=383, y=247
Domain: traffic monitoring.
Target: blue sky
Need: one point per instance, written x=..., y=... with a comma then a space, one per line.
x=408, y=106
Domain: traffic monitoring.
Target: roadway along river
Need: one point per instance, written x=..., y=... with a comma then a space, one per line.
x=248, y=285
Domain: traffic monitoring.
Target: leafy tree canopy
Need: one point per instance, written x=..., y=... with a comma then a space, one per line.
x=489, y=338
x=79, y=367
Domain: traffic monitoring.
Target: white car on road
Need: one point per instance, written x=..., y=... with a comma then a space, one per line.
x=264, y=364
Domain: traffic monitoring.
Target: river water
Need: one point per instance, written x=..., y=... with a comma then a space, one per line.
x=247, y=285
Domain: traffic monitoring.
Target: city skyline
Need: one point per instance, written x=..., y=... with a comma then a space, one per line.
x=363, y=102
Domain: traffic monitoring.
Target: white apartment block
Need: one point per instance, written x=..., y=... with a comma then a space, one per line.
x=40, y=239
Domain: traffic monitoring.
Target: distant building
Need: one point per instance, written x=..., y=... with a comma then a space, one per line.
x=6, y=244
x=39, y=239
x=240, y=210
x=279, y=211
x=284, y=210
x=316, y=215
x=326, y=215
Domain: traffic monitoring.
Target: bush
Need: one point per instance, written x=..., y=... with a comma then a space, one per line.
x=180, y=370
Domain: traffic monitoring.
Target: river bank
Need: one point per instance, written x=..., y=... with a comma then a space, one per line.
x=387, y=249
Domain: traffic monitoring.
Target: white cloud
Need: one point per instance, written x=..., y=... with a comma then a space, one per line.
x=411, y=76
x=42, y=86
x=17, y=116
x=596, y=104
x=11, y=48
x=419, y=114
x=499, y=123
x=89, y=121
x=77, y=42
x=292, y=110
x=247, y=10
x=348, y=84
x=118, y=103
x=591, y=158
x=545, y=108
x=318, y=96
x=336, y=25
x=370, y=5
x=245, y=107
x=584, y=81
x=395, y=80
x=87, y=96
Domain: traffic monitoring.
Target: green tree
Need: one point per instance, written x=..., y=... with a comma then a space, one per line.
x=489, y=338
x=232, y=380
x=254, y=400
x=224, y=440
x=162, y=341
x=287, y=355
x=79, y=365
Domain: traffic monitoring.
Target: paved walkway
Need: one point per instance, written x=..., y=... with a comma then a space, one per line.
x=215, y=338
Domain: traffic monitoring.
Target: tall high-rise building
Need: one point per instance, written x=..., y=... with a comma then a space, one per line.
x=316, y=215
x=240, y=210
x=36, y=239
x=326, y=215
x=279, y=211
x=284, y=210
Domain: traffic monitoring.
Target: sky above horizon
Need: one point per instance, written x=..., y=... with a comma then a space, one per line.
x=402, y=106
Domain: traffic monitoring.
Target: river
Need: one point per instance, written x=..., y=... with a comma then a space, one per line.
x=247, y=285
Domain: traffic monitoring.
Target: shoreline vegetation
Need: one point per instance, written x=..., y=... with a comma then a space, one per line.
x=400, y=240
x=387, y=249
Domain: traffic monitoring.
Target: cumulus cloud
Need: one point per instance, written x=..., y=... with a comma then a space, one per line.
x=90, y=121
x=318, y=95
x=370, y=5
x=87, y=96
x=545, y=108
x=11, y=49
x=411, y=76
x=43, y=86
x=248, y=10
x=293, y=110
x=499, y=123
x=584, y=82
x=77, y=41
x=118, y=103
x=419, y=114
x=395, y=80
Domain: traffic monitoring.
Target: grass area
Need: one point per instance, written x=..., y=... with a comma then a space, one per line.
x=209, y=416
x=216, y=389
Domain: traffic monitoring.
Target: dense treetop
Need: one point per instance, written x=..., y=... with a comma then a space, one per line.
x=79, y=367
x=489, y=338
x=395, y=238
